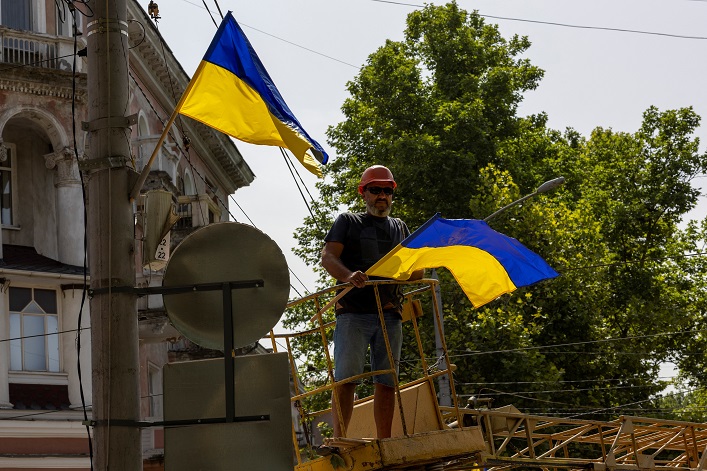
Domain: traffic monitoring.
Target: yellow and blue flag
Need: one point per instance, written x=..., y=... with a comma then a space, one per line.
x=232, y=92
x=485, y=263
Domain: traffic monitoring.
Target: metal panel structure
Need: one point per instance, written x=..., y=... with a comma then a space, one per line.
x=196, y=390
x=227, y=252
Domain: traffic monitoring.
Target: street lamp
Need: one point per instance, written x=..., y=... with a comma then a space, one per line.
x=544, y=188
x=443, y=381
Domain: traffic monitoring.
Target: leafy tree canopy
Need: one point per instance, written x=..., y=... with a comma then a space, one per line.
x=440, y=110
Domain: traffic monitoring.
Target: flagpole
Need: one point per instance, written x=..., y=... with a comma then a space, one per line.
x=146, y=170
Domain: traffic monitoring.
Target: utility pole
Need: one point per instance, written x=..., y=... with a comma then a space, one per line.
x=114, y=333
x=445, y=393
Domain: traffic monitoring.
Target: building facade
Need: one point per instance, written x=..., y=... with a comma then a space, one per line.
x=45, y=381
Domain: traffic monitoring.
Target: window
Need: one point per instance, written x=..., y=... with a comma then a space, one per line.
x=144, y=144
x=154, y=390
x=33, y=315
x=16, y=14
x=7, y=187
x=189, y=188
x=65, y=20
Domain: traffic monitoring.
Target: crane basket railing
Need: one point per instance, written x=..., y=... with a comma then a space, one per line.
x=417, y=393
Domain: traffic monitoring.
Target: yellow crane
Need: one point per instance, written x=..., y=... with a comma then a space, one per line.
x=427, y=436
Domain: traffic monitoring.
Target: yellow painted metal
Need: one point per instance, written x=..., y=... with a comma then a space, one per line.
x=391, y=361
x=629, y=443
x=418, y=407
x=412, y=309
x=400, y=453
x=498, y=439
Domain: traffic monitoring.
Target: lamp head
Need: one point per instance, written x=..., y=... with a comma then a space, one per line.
x=550, y=185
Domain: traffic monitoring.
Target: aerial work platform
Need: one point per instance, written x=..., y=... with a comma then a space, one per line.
x=430, y=437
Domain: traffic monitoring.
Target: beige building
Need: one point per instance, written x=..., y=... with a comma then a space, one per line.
x=42, y=107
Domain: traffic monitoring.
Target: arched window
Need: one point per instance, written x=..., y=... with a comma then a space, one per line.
x=8, y=187
x=189, y=188
x=143, y=154
x=33, y=316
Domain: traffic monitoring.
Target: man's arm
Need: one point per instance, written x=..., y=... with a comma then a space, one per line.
x=331, y=261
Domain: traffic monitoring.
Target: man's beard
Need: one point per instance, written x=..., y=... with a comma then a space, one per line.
x=372, y=209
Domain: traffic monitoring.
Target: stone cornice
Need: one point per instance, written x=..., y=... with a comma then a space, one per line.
x=164, y=74
x=21, y=85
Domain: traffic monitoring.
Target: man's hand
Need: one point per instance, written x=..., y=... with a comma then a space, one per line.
x=358, y=279
x=331, y=261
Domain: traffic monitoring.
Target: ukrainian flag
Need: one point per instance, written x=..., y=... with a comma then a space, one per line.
x=485, y=263
x=232, y=92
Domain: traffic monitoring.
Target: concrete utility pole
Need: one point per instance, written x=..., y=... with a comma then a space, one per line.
x=114, y=333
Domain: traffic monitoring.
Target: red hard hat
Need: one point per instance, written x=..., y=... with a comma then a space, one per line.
x=376, y=173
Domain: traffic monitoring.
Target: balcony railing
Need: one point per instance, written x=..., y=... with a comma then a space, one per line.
x=196, y=211
x=185, y=211
x=38, y=50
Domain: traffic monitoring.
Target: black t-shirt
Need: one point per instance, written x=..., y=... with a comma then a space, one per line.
x=366, y=240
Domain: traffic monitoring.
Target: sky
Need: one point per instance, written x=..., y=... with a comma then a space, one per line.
x=312, y=48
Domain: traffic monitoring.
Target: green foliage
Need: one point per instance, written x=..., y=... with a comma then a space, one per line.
x=432, y=108
x=683, y=404
x=440, y=109
x=325, y=429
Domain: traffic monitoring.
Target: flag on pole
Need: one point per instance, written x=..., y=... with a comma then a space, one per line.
x=485, y=263
x=232, y=92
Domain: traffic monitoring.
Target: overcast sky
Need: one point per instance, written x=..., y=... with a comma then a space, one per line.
x=311, y=48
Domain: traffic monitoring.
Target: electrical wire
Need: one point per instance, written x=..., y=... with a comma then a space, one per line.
x=290, y=164
x=600, y=28
x=587, y=342
x=219, y=9
x=185, y=154
x=533, y=399
x=78, y=329
x=212, y=16
x=233, y=199
x=181, y=150
x=607, y=380
x=476, y=353
x=58, y=411
x=35, y=63
x=180, y=127
x=566, y=25
x=288, y=157
x=282, y=39
x=144, y=34
x=549, y=391
x=67, y=331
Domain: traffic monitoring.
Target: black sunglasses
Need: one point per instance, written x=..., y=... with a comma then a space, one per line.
x=376, y=190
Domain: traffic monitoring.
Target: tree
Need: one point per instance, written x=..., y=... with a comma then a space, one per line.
x=433, y=108
x=627, y=289
x=440, y=109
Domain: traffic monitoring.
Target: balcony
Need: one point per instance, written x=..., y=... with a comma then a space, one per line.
x=39, y=50
x=194, y=211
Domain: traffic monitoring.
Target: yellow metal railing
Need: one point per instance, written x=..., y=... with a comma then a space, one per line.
x=322, y=302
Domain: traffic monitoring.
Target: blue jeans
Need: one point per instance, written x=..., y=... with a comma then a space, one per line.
x=353, y=334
